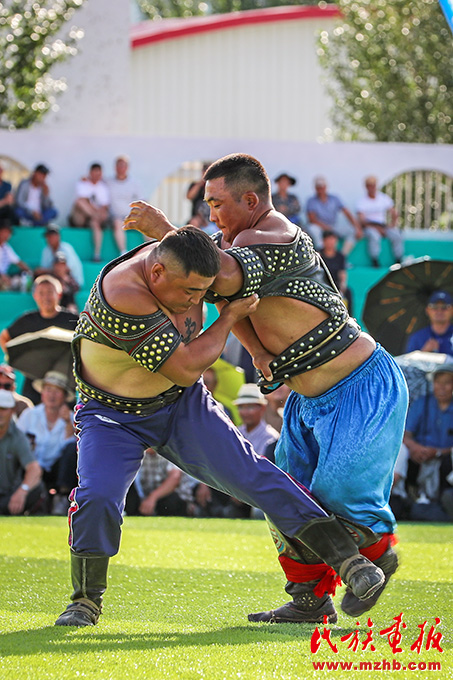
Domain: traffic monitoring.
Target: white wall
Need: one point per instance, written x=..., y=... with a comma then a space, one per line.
x=153, y=158
x=98, y=77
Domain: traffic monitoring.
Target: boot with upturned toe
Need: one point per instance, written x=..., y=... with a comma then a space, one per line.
x=89, y=580
x=306, y=607
x=352, y=605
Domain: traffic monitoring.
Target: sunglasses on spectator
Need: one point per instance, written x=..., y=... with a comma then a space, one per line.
x=6, y=386
x=436, y=305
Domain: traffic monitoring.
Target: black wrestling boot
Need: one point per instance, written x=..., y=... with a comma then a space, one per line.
x=89, y=580
x=352, y=605
x=334, y=545
x=306, y=607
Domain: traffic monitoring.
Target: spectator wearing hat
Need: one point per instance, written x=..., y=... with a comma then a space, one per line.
x=47, y=293
x=6, y=198
x=49, y=424
x=8, y=383
x=252, y=404
x=428, y=449
x=123, y=190
x=323, y=210
x=20, y=474
x=32, y=203
x=8, y=257
x=284, y=201
x=55, y=245
x=438, y=336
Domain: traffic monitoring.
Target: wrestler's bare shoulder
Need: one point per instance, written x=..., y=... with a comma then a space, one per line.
x=274, y=228
x=125, y=289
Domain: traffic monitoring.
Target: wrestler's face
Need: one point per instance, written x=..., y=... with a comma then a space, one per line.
x=230, y=215
x=176, y=291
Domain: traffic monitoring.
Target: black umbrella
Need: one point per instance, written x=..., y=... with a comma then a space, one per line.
x=395, y=305
x=34, y=354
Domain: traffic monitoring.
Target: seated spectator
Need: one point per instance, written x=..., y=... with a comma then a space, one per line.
x=123, y=190
x=32, y=203
x=322, y=216
x=429, y=441
x=252, y=407
x=6, y=198
x=163, y=488
x=20, y=474
x=56, y=245
x=61, y=271
x=284, y=201
x=47, y=292
x=200, y=210
x=336, y=264
x=438, y=336
x=8, y=382
x=9, y=257
x=49, y=424
x=378, y=217
x=91, y=206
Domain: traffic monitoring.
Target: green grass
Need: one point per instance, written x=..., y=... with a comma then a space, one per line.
x=179, y=593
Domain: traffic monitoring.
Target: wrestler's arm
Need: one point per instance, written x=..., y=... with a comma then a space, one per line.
x=153, y=223
x=186, y=364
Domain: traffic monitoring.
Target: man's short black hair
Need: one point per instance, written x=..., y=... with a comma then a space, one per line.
x=241, y=173
x=194, y=250
x=95, y=166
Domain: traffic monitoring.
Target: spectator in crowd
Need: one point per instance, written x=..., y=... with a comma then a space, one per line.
x=8, y=257
x=8, y=382
x=378, y=217
x=20, y=474
x=123, y=190
x=56, y=245
x=32, y=203
x=47, y=292
x=438, y=336
x=91, y=206
x=263, y=437
x=200, y=211
x=61, y=271
x=336, y=264
x=49, y=424
x=428, y=440
x=163, y=488
x=284, y=201
x=322, y=215
x=273, y=414
x=6, y=198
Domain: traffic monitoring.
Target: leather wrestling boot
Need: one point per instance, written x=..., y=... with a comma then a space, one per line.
x=352, y=605
x=306, y=607
x=334, y=545
x=89, y=580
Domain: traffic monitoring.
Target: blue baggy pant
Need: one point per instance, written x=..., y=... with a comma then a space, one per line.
x=343, y=444
x=198, y=437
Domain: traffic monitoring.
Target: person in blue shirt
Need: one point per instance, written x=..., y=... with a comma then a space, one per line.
x=438, y=336
x=428, y=438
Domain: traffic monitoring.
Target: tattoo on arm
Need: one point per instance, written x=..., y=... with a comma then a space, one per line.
x=190, y=329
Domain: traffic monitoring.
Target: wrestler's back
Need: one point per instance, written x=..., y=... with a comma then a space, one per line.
x=113, y=370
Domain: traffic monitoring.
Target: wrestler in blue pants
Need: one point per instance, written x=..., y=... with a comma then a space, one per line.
x=194, y=434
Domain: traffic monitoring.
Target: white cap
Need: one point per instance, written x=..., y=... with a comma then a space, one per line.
x=7, y=399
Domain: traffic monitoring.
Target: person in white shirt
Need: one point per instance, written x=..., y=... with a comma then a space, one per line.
x=123, y=190
x=91, y=207
x=32, y=203
x=8, y=256
x=378, y=217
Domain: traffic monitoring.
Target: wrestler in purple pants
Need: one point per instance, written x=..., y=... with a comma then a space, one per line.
x=199, y=438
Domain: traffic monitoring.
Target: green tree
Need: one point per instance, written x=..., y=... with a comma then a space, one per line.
x=31, y=42
x=157, y=9
x=389, y=69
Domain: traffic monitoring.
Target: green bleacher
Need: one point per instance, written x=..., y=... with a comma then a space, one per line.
x=28, y=242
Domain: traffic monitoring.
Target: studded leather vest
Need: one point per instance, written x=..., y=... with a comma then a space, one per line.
x=297, y=271
x=149, y=339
